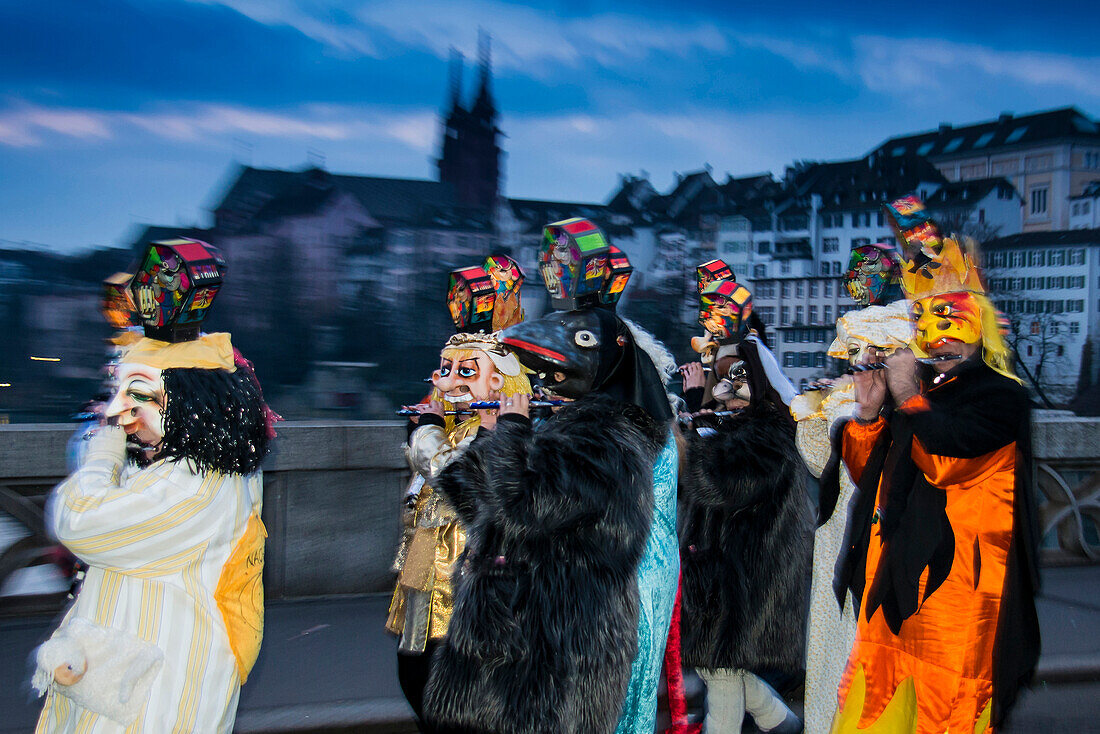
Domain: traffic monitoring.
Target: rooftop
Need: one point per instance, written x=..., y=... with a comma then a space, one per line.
x=1053, y=239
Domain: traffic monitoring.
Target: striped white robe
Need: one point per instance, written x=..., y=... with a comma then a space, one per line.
x=156, y=540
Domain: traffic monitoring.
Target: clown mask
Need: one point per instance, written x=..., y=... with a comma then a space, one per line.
x=872, y=270
x=859, y=352
x=466, y=375
x=946, y=321
x=138, y=405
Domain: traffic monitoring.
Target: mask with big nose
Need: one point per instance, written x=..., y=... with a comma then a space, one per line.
x=138, y=405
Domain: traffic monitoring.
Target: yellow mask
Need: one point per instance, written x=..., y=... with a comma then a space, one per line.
x=947, y=317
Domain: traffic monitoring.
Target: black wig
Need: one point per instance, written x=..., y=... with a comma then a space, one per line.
x=214, y=418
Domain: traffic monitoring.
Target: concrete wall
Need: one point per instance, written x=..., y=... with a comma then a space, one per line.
x=333, y=490
x=332, y=499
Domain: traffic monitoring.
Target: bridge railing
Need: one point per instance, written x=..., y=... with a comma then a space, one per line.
x=333, y=490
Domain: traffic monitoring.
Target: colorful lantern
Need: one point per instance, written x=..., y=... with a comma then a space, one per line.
x=470, y=298
x=573, y=263
x=711, y=271
x=118, y=309
x=174, y=287
x=618, y=275
x=507, y=278
x=724, y=310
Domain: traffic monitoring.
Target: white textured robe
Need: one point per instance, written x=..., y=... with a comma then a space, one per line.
x=156, y=540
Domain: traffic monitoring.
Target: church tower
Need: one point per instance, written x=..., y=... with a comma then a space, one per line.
x=471, y=153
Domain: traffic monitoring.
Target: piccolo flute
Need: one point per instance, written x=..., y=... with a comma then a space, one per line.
x=482, y=405
x=882, y=365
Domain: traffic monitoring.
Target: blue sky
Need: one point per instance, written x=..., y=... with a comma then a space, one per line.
x=114, y=112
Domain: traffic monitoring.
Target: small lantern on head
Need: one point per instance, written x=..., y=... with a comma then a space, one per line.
x=617, y=276
x=918, y=236
x=470, y=298
x=118, y=309
x=573, y=262
x=711, y=271
x=507, y=278
x=174, y=287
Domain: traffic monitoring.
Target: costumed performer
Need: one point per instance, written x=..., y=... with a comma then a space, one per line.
x=873, y=280
x=942, y=538
x=569, y=577
x=165, y=510
x=744, y=525
x=473, y=366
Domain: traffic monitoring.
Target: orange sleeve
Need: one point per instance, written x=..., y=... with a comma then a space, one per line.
x=947, y=471
x=859, y=439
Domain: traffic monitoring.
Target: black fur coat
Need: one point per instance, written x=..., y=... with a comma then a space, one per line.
x=546, y=601
x=745, y=546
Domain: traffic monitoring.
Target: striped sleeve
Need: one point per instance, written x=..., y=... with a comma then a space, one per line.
x=124, y=524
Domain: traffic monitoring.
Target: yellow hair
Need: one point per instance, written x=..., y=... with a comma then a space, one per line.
x=513, y=385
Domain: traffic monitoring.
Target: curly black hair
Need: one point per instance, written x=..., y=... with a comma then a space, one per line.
x=214, y=418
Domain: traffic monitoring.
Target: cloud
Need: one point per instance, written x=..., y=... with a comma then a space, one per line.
x=906, y=67
x=29, y=125
x=524, y=37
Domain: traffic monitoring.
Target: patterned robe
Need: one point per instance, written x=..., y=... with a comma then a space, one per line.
x=162, y=544
x=658, y=576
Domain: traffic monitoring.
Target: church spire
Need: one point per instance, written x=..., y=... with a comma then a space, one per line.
x=455, y=69
x=484, y=107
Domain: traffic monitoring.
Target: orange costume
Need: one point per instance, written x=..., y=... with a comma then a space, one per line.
x=942, y=538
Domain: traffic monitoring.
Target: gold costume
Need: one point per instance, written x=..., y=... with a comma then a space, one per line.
x=432, y=542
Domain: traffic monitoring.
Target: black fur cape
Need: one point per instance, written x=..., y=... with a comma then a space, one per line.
x=545, y=623
x=745, y=546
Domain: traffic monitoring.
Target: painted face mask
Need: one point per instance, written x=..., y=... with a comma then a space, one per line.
x=734, y=384
x=874, y=272
x=724, y=310
x=466, y=375
x=948, y=317
x=138, y=404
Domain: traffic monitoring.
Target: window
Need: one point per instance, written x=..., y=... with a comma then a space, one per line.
x=855, y=219
x=798, y=311
x=830, y=244
x=866, y=219
x=813, y=314
x=813, y=289
x=784, y=315
x=764, y=248
x=1074, y=327
x=1056, y=281
x=758, y=271
x=767, y=315
x=1057, y=258
x=1016, y=259
x=997, y=260
x=1030, y=351
x=799, y=289
x=836, y=268
x=925, y=148
x=785, y=267
x=1036, y=258
x=828, y=314
x=1077, y=281
x=805, y=359
x=1035, y=329
x=1077, y=257
x=819, y=359
x=765, y=290
x=983, y=140
x=858, y=241
x=1075, y=209
x=788, y=359
x=824, y=268
x=828, y=289
x=1038, y=202
x=881, y=219
x=1016, y=134
x=785, y=289
x=1075, y=306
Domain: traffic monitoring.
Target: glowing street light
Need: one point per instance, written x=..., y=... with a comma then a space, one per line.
x=46, y=359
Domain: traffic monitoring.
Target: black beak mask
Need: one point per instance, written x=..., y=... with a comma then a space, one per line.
x=591, y=350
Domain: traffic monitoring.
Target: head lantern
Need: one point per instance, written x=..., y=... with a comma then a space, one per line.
x=579, y=266
x=711, y=271
x=174, y=286
x=118, y=309
x=724, y=310
x=507, y=279
x=874, y=274
x=942, y=280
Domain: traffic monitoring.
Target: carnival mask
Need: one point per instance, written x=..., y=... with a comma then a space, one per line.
x=569, y=350
x=873, y=271
x=946, y=318
x=858, y=351
x=466, y=375
x=736, y=382
x=724, y=309
x=139, y=403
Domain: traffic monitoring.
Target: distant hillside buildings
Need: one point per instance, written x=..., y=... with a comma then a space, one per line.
x=330, y=243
